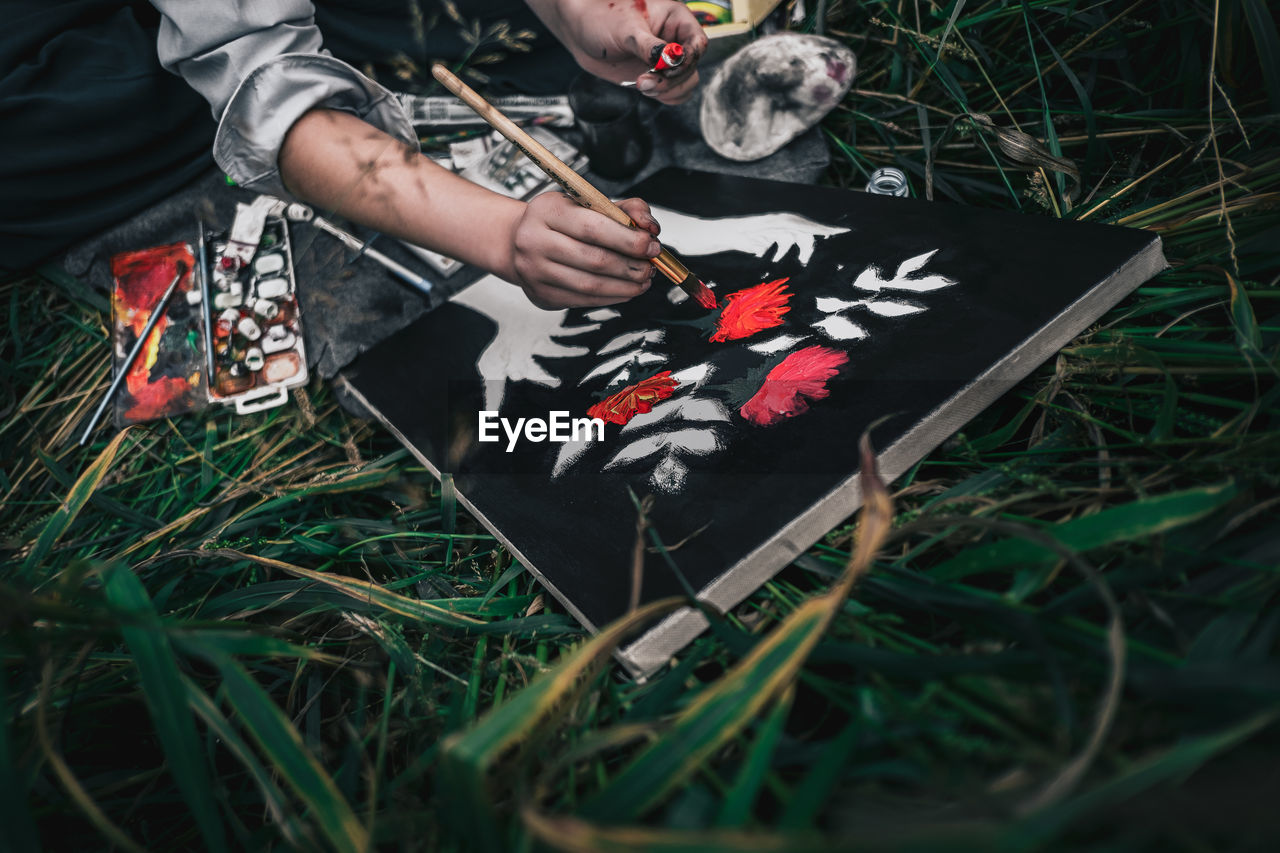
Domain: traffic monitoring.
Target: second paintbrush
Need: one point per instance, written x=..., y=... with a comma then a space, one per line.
x=577, y=187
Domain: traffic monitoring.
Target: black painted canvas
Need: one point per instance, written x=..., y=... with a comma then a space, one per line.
x=837, y=310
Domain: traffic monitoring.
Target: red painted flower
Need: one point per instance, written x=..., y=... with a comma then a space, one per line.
x=752, y=310
x=634, y=399
x=787, y=390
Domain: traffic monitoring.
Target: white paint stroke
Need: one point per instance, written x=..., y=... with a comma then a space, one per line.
x=569, y=453
x=915, y=264
x=599, y=315
x=872, y=278
x=840, y=328
x=669, y=475
x=676, y=295
x=778, y=344
x=893, y=309
x=830, y=305
x=651, y=336
x=686, y=409
x=695, y=441
x=525, y=332
x=694, y=376
x=921, y=285
x=869, y=279
x=755, y=235
x=639, y=357
x=622, y=377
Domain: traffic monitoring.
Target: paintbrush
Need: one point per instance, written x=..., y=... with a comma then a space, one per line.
x=578, y=187
x=156, y=313
x=206, y=298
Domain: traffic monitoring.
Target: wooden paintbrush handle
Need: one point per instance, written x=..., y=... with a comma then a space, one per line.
x=570, y=181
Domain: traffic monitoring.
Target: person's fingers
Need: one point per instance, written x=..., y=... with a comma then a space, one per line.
x=678, y=24
x=597, y=230
x=557, y=285
x=641, y=215
x=668, y=90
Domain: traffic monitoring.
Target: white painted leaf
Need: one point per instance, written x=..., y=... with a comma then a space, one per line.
x=686, y=409
x=829, y=304
x=698, y=442
x=869, y=279
x=651, y=336
x=893, y=309
x=622, y=377
x=599, y=315
x=840, y=328
x=693, y=375
x=921, y=285
x=778, y=344
x=915, y=264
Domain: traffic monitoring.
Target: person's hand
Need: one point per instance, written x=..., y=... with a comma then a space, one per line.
x=620, y=41
x=565, y=255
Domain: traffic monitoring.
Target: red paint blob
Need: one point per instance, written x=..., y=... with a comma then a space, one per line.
x=787, y=390
x=752, y=310
x=634, y=399
x=640, y=7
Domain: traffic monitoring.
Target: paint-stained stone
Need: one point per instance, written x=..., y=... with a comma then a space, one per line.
x=773, y=90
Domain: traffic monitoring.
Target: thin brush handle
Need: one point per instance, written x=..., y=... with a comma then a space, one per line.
x=578, y=187
x=156, y=313
x=206, y=299
x=354, y=243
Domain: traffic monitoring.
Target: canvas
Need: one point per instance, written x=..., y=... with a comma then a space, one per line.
x=837, y=310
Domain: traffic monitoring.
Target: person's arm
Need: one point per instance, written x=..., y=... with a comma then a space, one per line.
x=560, y=253
x=621, y=41
x=293, y=120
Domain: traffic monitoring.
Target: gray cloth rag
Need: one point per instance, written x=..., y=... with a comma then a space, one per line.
x=350, y=303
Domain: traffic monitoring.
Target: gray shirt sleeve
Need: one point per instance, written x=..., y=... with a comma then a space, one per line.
x=261, y=65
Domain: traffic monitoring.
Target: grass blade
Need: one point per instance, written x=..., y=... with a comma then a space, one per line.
x=1144, y=517
x=280, y=741
x=79, y=495
x=166, y=697
x=468, y=757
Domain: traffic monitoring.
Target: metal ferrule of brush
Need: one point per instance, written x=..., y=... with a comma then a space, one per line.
x=671, y=267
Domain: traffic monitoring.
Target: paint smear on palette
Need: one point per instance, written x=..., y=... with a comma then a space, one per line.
x=634, y=399
x=167, y=377
x=752, y=310
x=788, y=388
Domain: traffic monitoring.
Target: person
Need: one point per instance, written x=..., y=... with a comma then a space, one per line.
x=295, y=119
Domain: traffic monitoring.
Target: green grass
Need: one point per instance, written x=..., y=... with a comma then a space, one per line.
x=277, y=631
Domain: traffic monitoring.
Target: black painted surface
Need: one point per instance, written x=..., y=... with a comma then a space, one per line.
x=1013, y=275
